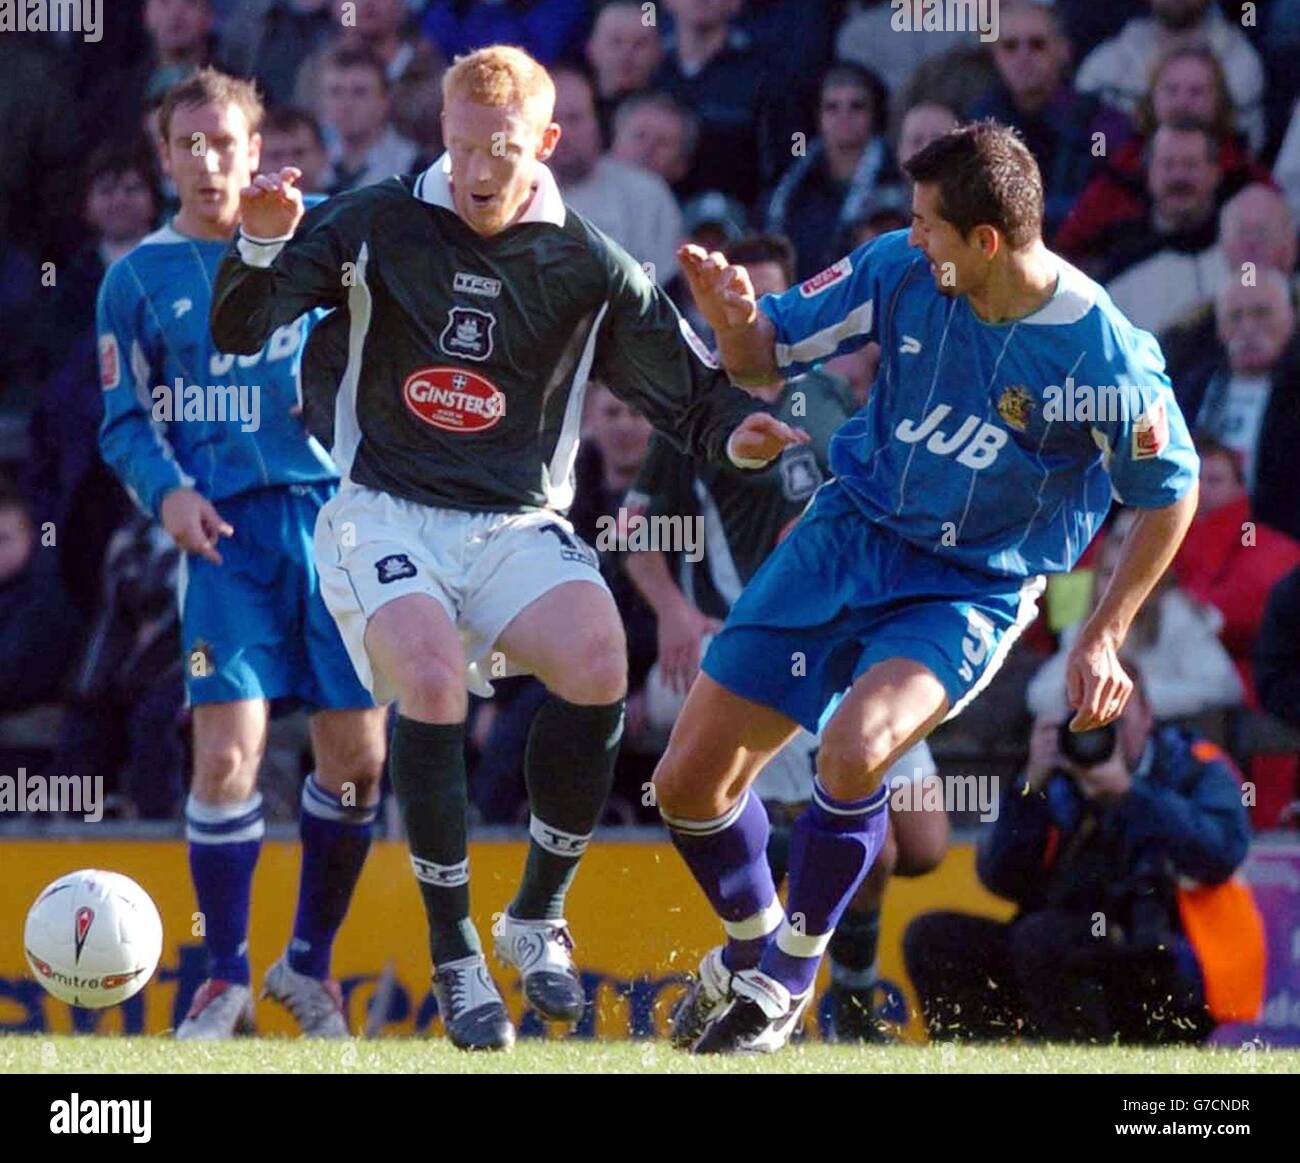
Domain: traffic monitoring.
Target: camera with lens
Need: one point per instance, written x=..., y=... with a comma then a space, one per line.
x=1087, y=748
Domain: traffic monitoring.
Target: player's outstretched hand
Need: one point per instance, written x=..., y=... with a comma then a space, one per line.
x=272, y=206
x=723, y=293
x=761, y=436
x=1097, y=684
x=194, y=523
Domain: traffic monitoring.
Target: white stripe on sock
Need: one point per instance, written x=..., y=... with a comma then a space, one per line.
x=442, y=875
x=797, y=944
x=758, y=925
x=707, y=827
x=556, y=841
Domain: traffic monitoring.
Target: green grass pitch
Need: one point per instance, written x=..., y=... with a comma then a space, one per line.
x=110, y=1055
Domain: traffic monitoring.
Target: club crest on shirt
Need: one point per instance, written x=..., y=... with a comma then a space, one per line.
x=468, y=334
x=394, y=567
x=1015, y=406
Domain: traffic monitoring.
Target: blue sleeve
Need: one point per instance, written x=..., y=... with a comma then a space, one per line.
x=132, y=443
x=1009, y=855
x=1204, y=830
x=834, y=312
x=1150, y=456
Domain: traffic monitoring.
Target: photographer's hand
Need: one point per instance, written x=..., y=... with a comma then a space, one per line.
x=1044, y=755
x=1106, y=781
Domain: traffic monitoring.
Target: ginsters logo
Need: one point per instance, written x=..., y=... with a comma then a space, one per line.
x=454, y=399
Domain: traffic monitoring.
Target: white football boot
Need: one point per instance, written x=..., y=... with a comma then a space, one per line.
x=542, y=951
x=759, y=1019
x=473, y=1013
x=317, y=1006
x=220, y=1010
x=706, y=996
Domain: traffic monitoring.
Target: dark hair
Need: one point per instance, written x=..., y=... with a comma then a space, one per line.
x=1208, y=446
x=288, y=119
x=850, y=73
x=986, y=177
x=12, y=497
x=116, y=159
x=755, y=248
x=211, y=87
x=356, y=56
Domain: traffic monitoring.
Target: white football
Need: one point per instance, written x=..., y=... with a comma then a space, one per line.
x=93, y=938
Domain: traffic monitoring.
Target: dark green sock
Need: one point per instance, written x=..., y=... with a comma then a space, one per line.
x=569, y=768
x=853, y=949
x=427, y=767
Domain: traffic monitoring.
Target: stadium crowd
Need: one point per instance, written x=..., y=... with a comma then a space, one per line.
x=1168, y=136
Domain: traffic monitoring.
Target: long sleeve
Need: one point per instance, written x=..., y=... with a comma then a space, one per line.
x=649, y=356
x=1010, y=854
x=133, y=444
x=263, y=285
x=1204, y=829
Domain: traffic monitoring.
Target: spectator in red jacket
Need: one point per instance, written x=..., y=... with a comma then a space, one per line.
x=1186, y=85
x=1229, y=561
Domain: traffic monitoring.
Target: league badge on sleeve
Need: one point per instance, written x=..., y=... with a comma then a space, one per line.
x=1151, y=432
x=110, y=365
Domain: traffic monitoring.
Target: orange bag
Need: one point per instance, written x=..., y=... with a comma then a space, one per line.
x=1226, y=932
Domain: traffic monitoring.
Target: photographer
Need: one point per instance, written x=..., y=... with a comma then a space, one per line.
x=1095, y=843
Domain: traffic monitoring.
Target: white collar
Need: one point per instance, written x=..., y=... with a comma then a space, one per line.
x=434, y=186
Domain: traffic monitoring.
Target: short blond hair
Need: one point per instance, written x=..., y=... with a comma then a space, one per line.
x=502, y=75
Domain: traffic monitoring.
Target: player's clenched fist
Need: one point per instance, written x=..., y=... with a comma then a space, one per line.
x=761, y=437
x=723, y=293
x=195, y=523
x=271, y=206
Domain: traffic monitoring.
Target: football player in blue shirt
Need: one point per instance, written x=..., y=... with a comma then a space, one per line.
x=210, y=446
x=1012, y=403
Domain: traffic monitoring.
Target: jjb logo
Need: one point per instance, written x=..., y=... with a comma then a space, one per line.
x=978, y=441
x=468, y=334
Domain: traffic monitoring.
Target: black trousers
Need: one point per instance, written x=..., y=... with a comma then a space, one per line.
x=1046, y=976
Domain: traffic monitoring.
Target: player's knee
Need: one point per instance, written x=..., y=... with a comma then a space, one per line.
x=596, y=673
x=352, y=766
x=430, y=689
x=223, y=771
x=852, y=766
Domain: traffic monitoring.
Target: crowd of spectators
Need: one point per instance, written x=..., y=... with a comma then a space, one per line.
x=1168, y=135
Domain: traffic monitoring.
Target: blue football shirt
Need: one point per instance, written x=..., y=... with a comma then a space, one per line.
x=997, y=446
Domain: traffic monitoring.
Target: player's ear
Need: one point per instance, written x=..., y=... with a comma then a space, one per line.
x=550, y=139
x=255, y=153
x=988, y=240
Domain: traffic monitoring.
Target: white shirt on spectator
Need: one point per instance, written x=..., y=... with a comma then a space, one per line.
x=635, y=208
x=1186, y=671
x=391, y=155
x=1240, y=417
x=1120, y=68
x=1286, y=169
x=1160, y=290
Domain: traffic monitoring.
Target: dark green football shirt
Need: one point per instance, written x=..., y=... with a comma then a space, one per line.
x=466, y=358
x=742, y=514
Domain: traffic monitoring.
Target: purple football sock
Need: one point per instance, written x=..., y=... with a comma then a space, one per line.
x=832, y=848
x=225, y=840
x=335, y=840
x=728, y=857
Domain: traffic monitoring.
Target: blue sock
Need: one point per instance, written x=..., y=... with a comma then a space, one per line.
x=335, y=840
x=728, y=857
x=832, y=848
x=224, y=844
